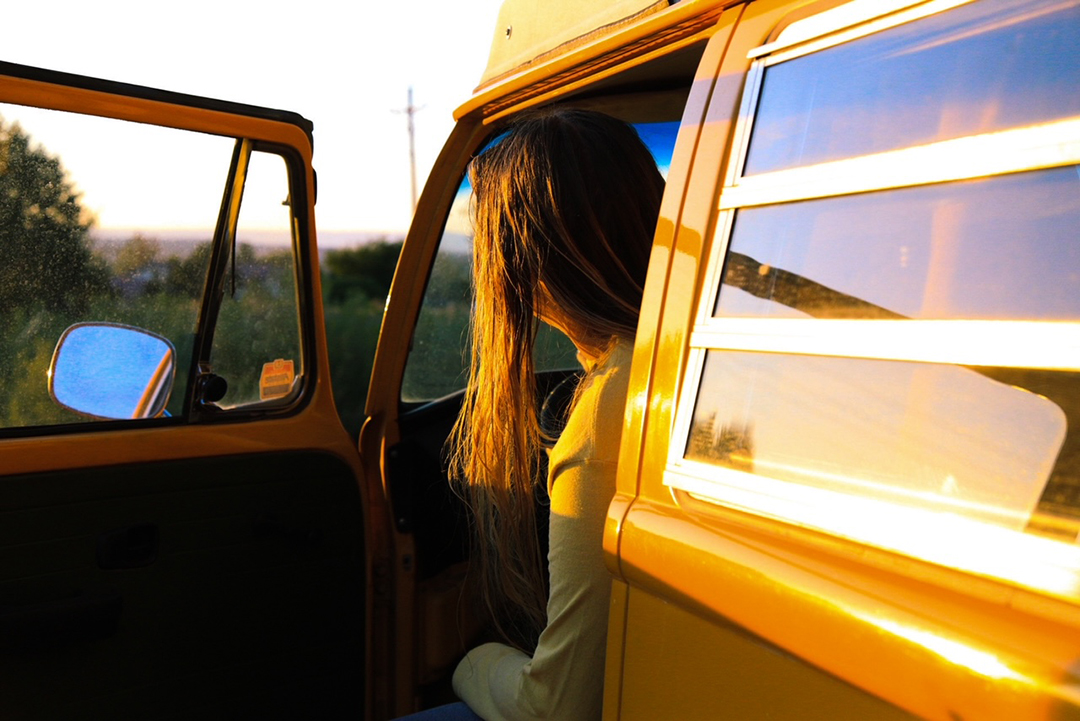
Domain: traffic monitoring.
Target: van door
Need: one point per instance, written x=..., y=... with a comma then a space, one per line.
x=204, y=550
x=848, y=486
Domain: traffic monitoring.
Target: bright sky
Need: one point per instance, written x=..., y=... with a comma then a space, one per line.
x=346, y=67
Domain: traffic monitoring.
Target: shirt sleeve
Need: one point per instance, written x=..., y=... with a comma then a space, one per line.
x=564, y=678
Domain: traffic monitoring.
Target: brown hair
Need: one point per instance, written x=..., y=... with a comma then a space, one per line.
x=565, y=207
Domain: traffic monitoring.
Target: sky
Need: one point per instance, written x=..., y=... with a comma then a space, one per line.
x=346, y=67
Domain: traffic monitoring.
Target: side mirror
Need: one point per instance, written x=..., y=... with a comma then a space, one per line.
x=106, y=370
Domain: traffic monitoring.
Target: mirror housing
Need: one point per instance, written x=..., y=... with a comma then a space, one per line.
x=112, y=371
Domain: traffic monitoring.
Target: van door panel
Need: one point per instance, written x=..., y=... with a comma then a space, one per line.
x=747, y=677
x=212, y=563
x=149, y=589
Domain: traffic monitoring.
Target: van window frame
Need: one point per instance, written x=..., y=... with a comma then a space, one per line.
x=1019, y=344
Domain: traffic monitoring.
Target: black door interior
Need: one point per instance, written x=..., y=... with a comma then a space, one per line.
x=212, y=588
x=425, y=505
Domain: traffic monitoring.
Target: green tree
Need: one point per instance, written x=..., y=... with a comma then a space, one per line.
x=352, y=333
x=138, y=265
x=185, y=277
x=137, y=254
x=355, y=284
x=366, y=270
x=49, y=275
x=44, y=232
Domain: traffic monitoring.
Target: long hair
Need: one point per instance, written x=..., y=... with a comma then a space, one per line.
x=565, y=207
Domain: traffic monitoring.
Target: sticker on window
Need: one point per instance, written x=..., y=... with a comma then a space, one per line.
x=276, y=380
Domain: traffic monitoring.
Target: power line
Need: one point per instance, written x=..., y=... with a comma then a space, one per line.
x=410, y=110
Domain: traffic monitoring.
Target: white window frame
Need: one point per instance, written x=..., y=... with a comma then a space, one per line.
x=1043, y=564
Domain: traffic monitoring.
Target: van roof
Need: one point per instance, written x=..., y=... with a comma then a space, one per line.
x=527, y=31
x=540, y=44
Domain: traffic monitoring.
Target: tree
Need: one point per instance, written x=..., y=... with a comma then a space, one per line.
x=137, y=268
x=732, y=445
x=45, y=255
x=366, y=270
x=185, y=277
x=138, y=254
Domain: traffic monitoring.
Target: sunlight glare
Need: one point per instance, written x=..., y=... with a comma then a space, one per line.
x=981, y=662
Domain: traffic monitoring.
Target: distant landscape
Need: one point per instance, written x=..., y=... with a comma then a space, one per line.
x=59, y=270
x=181, y=242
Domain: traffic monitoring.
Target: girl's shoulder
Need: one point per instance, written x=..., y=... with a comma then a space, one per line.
x=594, y=428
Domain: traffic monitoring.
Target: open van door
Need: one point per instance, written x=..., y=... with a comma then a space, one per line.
x=205, y=547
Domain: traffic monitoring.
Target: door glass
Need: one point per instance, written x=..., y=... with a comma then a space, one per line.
x=978, y=68
x=439, y=357
x=993, y=444
x=257, y=338
x=100, y=220
x=1001, y=248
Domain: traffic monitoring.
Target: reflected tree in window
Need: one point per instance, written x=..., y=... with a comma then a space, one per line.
x=731, y=445
x=48, y=274
x=44, y=232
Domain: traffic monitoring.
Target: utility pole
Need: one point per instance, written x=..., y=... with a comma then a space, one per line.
x=411, y=110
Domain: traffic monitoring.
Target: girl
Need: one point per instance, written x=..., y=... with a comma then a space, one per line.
x=566, y=203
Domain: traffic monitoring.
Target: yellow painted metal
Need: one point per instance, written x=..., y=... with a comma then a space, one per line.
x=527, y=30
x=92, y=102
x=647, y=373
x=917, y=637
x=646, y=37
x=615, y=670
x=315, y=427
x=932, y=640
x=711, y=669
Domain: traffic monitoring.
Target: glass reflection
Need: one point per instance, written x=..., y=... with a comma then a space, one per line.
x=976, y=69
x=960, y=440
x=106, y=370
x=996, y=248
x=259, y=318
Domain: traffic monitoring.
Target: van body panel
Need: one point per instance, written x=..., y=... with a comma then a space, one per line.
x=645, y=372
x=747, y=677
x=864, y=623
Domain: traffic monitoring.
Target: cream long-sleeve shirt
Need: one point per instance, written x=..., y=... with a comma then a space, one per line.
x=563, y=679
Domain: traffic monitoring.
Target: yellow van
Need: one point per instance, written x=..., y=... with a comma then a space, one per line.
x=848, y=487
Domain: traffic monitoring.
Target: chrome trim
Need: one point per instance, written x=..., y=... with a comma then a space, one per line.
x=848, y=22
x=1047, y=345
x=687, y=400
x=706, y=301
x=740, y=139
x=1008, y=151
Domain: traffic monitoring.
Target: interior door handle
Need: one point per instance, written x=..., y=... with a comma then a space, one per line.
x=89, y=615
x=133, y=546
